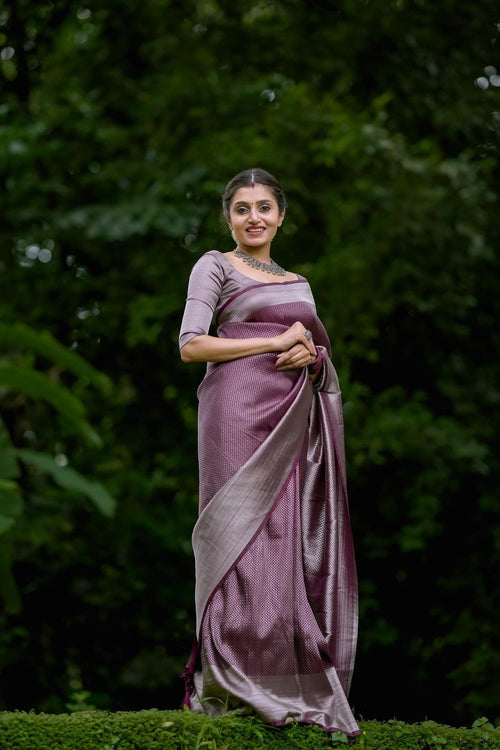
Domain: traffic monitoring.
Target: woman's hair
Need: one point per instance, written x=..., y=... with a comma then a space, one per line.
x=249, y=178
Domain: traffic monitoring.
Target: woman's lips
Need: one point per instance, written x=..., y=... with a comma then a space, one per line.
x=255, y=230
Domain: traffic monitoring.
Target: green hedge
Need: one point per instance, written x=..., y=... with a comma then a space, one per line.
x=183, y=730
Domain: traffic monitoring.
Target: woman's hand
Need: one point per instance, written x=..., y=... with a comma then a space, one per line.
x=296, y=357
x=295, y=335
x=205, y=348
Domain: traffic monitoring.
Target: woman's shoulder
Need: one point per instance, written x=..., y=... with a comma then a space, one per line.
x=211, y=260
x=210, y=269
x=208, y=256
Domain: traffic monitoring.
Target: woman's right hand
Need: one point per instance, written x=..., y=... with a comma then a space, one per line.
x=294, y=335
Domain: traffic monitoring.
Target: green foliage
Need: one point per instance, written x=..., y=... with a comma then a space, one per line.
x=66, y=477
x=11, y=501
x=117, y=132
x=38, y=386
x=19, y=337
x=176, y=730
x=23, y=379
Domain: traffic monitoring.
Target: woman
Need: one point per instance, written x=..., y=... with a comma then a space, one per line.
x=276, y=591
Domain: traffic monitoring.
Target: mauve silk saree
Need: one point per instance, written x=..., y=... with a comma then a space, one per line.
x=276, y=588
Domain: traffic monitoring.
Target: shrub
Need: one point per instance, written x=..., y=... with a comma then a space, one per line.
x=183, y=730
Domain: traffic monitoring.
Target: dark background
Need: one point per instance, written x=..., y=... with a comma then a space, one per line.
x=120, y=123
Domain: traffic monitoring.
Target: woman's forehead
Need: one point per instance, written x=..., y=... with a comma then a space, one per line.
x=253, y=194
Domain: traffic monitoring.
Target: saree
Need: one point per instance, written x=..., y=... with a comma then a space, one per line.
x=276, y=588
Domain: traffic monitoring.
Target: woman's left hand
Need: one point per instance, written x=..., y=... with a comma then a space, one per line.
x=294, y=358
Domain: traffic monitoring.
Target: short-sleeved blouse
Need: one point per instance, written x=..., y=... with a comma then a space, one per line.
x=212, y=282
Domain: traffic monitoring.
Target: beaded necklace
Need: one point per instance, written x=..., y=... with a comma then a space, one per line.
x=271, y=267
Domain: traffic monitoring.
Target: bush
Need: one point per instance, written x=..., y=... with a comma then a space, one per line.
x=183, y=730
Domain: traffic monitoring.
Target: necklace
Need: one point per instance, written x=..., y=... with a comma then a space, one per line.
x=271, y=267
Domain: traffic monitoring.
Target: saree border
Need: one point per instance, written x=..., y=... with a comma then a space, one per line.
x=227, y=525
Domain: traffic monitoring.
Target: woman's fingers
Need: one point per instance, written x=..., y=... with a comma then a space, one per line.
x=311, y=348
x=306, y=338
x=298, y=334
x=295, y=357
x=291, y=354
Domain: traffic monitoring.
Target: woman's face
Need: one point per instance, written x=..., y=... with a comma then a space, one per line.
x=254, y=216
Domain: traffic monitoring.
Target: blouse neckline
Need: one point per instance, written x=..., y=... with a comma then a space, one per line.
x=257, y=281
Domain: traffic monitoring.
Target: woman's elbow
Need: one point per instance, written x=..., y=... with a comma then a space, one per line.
x=186, y=354
x=189, y=352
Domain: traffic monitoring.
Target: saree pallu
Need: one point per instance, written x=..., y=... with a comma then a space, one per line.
x=276, y=589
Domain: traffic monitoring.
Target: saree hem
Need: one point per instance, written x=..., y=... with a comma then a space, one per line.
x=290, y=699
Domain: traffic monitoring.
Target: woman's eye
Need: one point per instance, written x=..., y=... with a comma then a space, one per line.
x=241, y=210
x=265, y=208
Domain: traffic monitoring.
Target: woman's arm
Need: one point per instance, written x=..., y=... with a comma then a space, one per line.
x=205, y=348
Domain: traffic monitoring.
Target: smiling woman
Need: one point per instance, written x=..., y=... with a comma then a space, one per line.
x=276, y=590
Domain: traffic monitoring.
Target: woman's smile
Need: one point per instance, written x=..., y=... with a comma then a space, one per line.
x=254, y=217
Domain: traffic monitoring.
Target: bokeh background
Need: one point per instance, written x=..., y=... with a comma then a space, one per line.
x=120, y=123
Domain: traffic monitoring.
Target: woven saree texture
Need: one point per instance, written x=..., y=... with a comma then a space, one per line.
x=276, y=587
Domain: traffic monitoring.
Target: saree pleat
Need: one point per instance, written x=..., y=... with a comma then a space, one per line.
x=276, y=590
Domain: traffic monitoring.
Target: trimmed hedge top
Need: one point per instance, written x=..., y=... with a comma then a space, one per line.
x=184, y=730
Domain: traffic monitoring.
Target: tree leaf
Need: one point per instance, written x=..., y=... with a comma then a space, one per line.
x=36, y=385
x=70, y=479
x=20, y=336
x=9, y=468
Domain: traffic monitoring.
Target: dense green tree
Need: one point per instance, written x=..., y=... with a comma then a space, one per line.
x=119, y=125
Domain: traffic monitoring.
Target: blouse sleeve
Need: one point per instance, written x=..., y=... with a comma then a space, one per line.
x=204, y=289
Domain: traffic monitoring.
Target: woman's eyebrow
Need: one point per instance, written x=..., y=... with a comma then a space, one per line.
x=246, y=203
